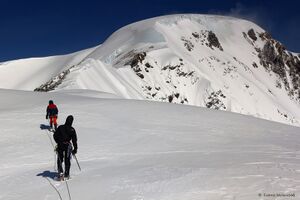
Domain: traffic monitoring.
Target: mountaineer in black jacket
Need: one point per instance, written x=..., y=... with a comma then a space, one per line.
x=63, y=137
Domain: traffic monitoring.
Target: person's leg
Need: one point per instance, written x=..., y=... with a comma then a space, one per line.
x=67, y=163
x=55, y=122
x=60, y=157
x=51, y=121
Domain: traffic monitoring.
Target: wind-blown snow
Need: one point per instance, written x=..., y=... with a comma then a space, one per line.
x=144, y=150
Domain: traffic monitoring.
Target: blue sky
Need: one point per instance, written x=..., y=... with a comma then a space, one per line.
x=31, y=28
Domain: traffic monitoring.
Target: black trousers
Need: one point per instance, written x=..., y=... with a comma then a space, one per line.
x=64, y=155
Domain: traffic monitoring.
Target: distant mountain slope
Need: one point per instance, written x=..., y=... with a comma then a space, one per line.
x=204, y=60
x=27, y=74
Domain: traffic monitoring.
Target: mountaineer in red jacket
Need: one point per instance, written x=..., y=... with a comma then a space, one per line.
x=52, y=112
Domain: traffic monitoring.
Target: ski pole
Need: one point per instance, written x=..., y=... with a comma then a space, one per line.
x=77, y=162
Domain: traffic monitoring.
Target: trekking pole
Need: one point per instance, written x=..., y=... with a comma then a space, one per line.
x=55, y=159
x=77, y=162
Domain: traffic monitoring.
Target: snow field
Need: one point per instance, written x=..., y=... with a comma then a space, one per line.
x=144, y=150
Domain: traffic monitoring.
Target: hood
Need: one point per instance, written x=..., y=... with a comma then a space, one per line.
x=69, y=120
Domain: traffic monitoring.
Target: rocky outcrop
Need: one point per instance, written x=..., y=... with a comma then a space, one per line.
x=252, y=34
x=213, y=41
x=204, y=37
x=214, y=100
x=274, y=57
x=187, y=44
x=54, y=82
x=135, y=61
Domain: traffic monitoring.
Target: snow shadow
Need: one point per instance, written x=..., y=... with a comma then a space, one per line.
x=48, y=174
x=44, y=127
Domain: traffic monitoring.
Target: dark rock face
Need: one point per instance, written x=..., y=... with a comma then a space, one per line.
x=135, y=62
x=187, y=44
x=274, y=57
x=196, y=35
x=170, y=98
x=214, y=101
x=268, y=55
x=175, y=96
x=54, y=82
x=252, y=34
x=254, y=65
x=171, y=67
x=265, y=36
x=273, y=61
x=213, y=40
x=148, y=65
x=203, y=37
x=137, y=58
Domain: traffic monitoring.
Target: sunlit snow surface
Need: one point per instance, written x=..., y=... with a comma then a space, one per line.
x=144, y=150
x=173, y=69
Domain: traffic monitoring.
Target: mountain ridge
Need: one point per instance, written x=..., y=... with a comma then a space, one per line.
x=210, y=61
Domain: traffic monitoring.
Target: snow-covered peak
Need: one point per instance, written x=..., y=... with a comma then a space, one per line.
x=152, y=31
x=210, y=61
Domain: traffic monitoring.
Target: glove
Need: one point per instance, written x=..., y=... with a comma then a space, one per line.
x=74, y=151
x=46, y=116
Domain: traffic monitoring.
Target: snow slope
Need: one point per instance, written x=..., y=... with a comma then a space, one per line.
x=144, y=150
x=210, y=61
x=27, y=74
